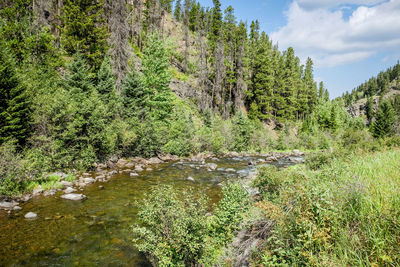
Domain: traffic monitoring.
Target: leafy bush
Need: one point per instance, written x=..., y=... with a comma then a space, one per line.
x=175, y=229
x=11, y=170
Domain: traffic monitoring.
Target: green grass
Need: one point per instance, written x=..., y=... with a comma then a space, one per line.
x=343, y=212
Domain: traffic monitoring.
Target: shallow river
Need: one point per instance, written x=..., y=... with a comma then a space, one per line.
x=96, y=232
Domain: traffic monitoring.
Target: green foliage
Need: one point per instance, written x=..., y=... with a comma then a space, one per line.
x=333, y=212
x=14, y=112
x=11, y=170
x=242, y=132
x=175, y=229
x=84, y=30
x=384, y=120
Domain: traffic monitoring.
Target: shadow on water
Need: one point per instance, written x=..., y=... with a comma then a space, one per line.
x=96, y=232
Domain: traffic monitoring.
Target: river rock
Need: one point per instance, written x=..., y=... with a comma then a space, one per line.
x=50, y=192
x=85, y=174
x=121, y=163
x=8, y=205
x=89, y=180
x=271, y=159
x=130, y=165
x=66, y=184
x=191, y=179
x=111, y=173
x=154, y=161
x=230, y=170
x=69, y=190
x=101, y=167
x=30, y=215
x=16, y=208
x=149, y=169
x=74, y=197
x=133, y=174
x=168, y=157
x=138, y=168
x=211, y=166
x=37, y=191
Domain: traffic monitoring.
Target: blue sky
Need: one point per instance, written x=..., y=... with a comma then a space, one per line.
x=348, y=40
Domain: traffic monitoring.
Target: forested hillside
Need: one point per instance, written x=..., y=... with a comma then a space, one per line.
x=86, y=81
x=83, y=81
x=378, y=102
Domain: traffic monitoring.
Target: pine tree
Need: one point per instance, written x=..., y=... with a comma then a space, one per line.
x=321, y=90
x=133, y=96
x=385, y=120
x=119, y=41
x=178, y=12
x=84, y=30
x=310, y=87
x=14, y=105
x=78, y=80
x=369, y=109
x=216, y=26
x=156, y=79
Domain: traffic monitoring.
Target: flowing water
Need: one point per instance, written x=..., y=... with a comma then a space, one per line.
x=96, y=232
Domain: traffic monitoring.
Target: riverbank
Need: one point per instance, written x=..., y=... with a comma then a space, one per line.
x=75, y=182
x=338, y=209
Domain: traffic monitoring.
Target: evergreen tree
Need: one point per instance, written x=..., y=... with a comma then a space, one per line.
x=385, y=120
x=178, y=10
x=14, y=112
x=78, y=80
x=119, y=41
x=133, y=95
x=321, y=90
x=149, y=94
x=369, y=109
x=84, y=30
x=216, y=26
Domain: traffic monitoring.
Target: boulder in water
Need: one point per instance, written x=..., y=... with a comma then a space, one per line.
x=8, y=205
x=89, y=180
x=191, y=179
x=30, y=215
x=138, y=168
x=74, y=197
x=133, y=174
x=69, y=190
x=211, y=166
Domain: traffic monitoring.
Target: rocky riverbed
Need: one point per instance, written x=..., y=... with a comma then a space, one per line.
x=88, y=221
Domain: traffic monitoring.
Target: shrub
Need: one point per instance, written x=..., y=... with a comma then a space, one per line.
x=173, y=228
x=11, y=170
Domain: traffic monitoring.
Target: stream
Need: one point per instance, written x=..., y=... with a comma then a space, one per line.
x=97, y=231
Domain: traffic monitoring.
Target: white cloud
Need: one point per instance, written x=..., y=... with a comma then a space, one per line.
x=314, y=4
x=330, y=40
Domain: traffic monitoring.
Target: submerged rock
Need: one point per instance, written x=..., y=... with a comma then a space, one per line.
x=66, y=184
x=138, y=168
x=191, y=179
x=211, y=166
x=16, y=208
x=30, y=215
x=69, y=190
x=8, y=205
x=154, y=161
x=133, y=174
x=50, y=192
x=89, y=180
x=74, y=197
x=37, y=191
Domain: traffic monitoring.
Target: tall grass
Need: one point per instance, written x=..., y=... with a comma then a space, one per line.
x=343, y=212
